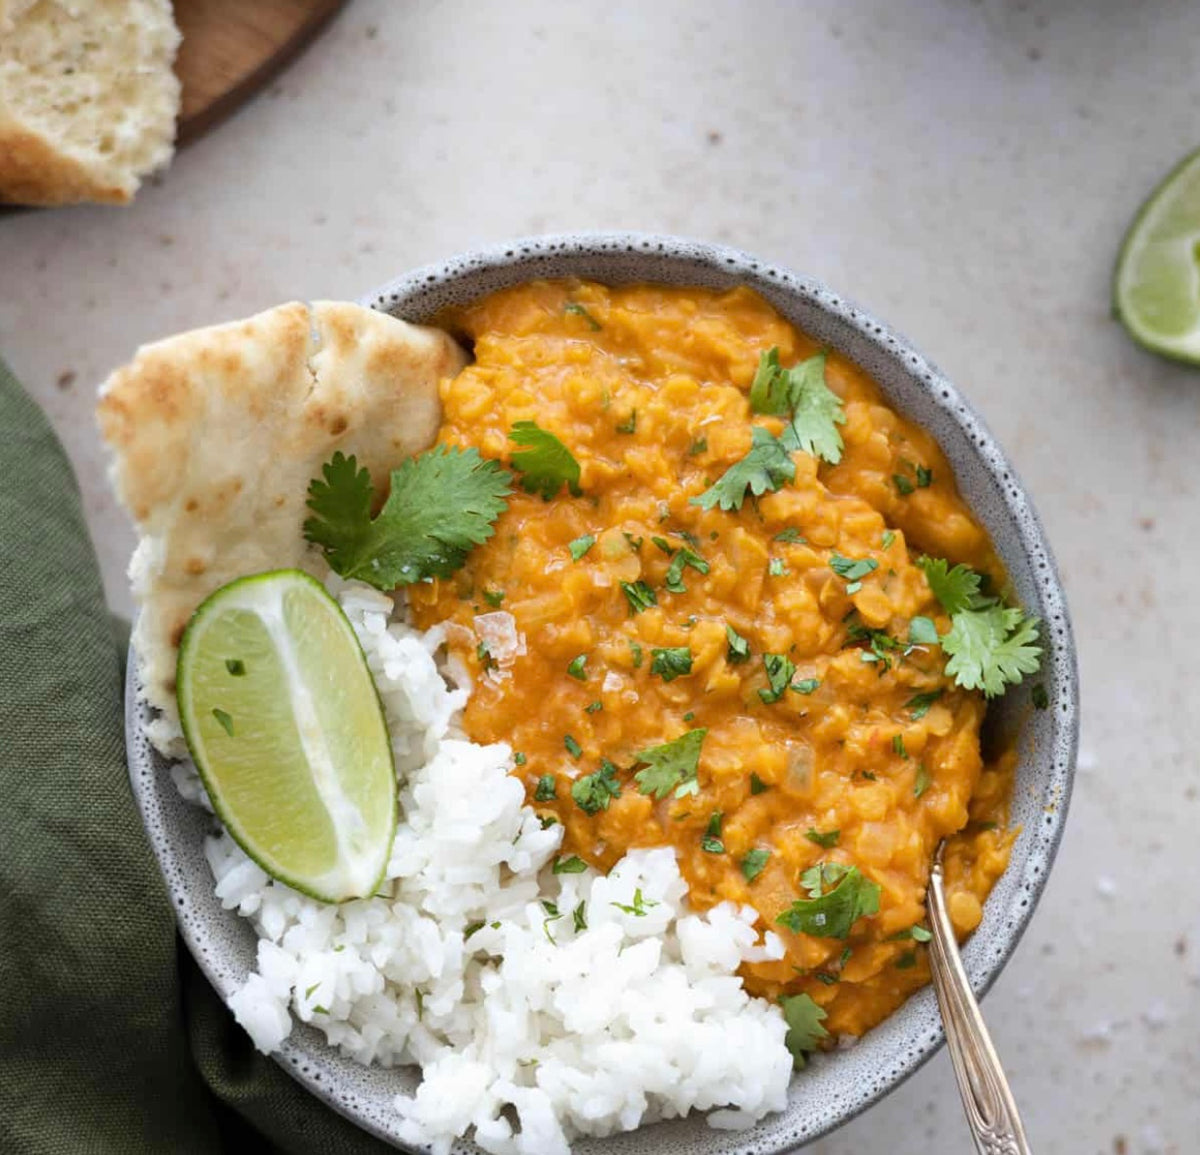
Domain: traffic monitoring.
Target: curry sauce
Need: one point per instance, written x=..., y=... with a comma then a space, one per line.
x=868, y=757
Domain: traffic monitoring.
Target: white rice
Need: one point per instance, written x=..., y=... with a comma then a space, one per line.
x=469, y=961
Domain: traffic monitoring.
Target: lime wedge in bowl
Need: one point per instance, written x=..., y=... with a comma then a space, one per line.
x=1156, y=289
x=285, y=727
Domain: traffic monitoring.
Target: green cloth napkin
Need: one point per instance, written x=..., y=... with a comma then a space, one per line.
x=111, y=1040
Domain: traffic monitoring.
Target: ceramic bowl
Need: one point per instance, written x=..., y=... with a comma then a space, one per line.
x=837, y=1086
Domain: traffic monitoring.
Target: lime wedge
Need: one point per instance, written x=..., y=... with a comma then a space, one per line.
x=1156, y=289
x=284, y=724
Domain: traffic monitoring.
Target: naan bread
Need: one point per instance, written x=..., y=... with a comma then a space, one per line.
x=217, y=432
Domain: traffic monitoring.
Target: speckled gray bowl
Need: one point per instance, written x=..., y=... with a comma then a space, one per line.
x=835, y=1087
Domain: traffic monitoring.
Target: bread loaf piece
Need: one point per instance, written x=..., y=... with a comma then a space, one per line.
x=88, y=100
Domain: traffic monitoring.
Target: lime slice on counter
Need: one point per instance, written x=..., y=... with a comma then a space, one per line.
x=284, y=724
x=1156, y=290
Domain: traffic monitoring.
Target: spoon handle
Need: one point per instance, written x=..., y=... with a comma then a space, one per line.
x=987, y=1100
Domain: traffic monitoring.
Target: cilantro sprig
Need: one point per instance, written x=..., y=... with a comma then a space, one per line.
x=768, y=466
x=804, y=1018
x=990, y=646
x=441, y=504
x=813, y=409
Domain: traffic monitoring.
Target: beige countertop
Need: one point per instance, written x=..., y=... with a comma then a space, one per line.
x=964, y=170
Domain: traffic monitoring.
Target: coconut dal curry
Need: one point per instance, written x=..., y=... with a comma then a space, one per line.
x=708, y=619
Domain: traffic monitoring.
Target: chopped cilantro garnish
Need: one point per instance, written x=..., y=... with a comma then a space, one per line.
x=924, y=477
x=689, y=716
x=767, y=466
x=593, y=707
x=779, y=668
x=917, y=933
x=789, y=535
x=544, y=462
x=737, y=649
x=572, y=865
x=1041, y=700
x=804, y=1018
x=594, y=792
x=852, y=568
x=690, y=538
x=581, y=545
x=757, y=785
x=635, y=543
x=853, y=587
x=224, y=720
x=888, y=537
x=671, y=662
x=898, y=746
x=907, y=960
x=753, y=862
x=671, y=766
x=318, y=1010
x=903, y=486
x=639, y=906
x=579, y=916
x=922, y=781
x=485, y=656
x=236, y=667
x=308, y=993
x=493, y=598
x=636, y=650
x=629, y=425
x=806, y=685
x=777, y=567
x=577, y=667
x=711, y=842
x=573, y=747
x=698, y=446
x=639, y=595
x=441, y=504
x=473, y=928
x=918, y=705
x=832, y=913
x=518, y=759
x=684, y=557
x=580, y=311
x=547, y=788
x=552, y=915
x=663, y=544
x=827, y=839
x=922, y=632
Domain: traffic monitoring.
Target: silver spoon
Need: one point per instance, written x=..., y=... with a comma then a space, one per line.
x=987, y=1099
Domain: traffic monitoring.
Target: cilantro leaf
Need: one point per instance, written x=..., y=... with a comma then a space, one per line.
x=903, y=486
x=767, y=466
x=579, y=916
x=806, y=686
x=991, y=648
x=640, y=904
x=770, y=390
x=544, y=462
x=828, y=839
x=671, y=662
x=594, y=792
x=711, y=842
x=804, y=1018
x=922, y=632
x=572, y=865
x=816, y=413
x=639, y=596
x=852, y=568
x=737, y=648
x=573, y=747
x=581, y=545
x=757, y=785
x=918, y=705
x=832, y=913
x=547, y=788
x=780, y=669
x=577, y=667
x=683, y=557
x=441, y=504
x=957, y=589
x=671, y=766
x=753, y=863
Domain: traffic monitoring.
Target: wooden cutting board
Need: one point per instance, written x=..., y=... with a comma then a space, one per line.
x=231, y=48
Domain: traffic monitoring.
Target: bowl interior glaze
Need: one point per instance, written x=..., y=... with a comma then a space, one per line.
x=835, y=1087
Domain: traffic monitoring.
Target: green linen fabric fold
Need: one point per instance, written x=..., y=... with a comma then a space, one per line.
x=111, y=1040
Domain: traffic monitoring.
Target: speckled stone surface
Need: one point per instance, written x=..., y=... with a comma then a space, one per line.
x=964, y=170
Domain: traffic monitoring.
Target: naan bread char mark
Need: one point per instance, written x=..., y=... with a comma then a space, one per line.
x=216, y=434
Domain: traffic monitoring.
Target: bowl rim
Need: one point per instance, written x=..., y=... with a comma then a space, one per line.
x=410, y=296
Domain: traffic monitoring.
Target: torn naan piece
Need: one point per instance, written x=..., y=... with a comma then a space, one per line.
x=216, y=434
